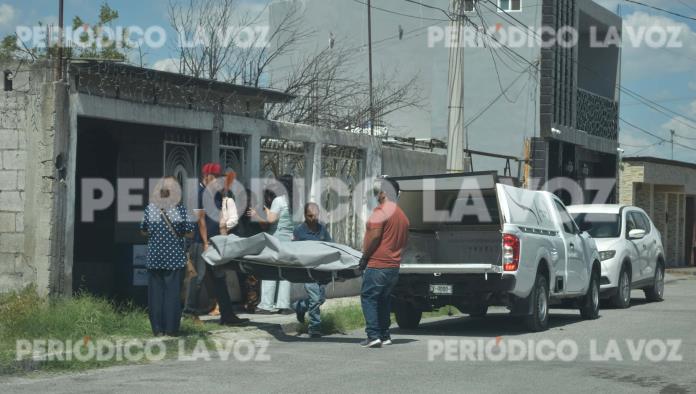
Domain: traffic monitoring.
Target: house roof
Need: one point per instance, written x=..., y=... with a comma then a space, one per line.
x=103, y=66
x=657, y=160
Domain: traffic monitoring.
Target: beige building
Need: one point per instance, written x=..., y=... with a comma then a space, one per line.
x=666, y=190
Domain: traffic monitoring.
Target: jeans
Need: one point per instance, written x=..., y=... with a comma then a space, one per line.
x=311, y=304
x=194, y=288
x=164, y=305
x=375, y=298
x=268, y=295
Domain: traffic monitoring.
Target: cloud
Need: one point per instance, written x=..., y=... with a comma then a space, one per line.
x=7, y=16
x=643, y=61
x=682, y=126
x=692, y=85
x=168, y=64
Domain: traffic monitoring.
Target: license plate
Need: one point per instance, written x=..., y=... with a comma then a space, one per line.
x=441, y=289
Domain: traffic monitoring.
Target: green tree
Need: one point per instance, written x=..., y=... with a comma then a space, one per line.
x=101, y=47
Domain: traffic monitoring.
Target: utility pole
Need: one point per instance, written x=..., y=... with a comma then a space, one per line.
x=671, y=140
x=369, y=55
x=455, y=119
x=59, y=61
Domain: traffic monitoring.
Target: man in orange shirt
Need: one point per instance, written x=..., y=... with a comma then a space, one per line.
x=385, y=239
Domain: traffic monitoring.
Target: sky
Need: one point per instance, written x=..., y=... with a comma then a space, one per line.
x=664, y=75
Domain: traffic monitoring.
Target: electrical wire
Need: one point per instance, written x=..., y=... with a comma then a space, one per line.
x=400, y=13
x=657, y=136
x=661, y=9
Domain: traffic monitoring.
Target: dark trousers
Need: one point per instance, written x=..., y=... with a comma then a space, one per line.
x=222, y=293
x=164, y=305
x=196, y=283
x=375, y=297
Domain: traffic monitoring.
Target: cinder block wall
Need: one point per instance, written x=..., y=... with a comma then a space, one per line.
x=26, y=176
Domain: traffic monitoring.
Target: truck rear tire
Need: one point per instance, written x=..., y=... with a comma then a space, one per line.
x=480, y=310
x=589, y=303
x=407, y=316
x=538, y=320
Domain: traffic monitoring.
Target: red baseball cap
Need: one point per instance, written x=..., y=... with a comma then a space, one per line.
x=211, y=169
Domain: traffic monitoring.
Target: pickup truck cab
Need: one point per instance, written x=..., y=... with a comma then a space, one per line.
x=475, y=242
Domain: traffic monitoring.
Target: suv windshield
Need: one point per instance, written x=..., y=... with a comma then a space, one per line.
x=604, y=225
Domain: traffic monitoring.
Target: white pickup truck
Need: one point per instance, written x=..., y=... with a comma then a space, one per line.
x=475, y=242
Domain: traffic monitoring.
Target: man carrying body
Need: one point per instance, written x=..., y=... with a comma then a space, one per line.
x=208, y=201
x=385, y=239
x=311, y=230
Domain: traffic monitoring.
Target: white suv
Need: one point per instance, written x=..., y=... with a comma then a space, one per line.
x=630, y=248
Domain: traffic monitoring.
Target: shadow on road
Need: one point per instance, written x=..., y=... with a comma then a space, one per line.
x=493, y=325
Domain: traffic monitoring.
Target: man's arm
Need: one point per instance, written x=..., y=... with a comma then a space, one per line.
x=202, y=228
x=373, y=237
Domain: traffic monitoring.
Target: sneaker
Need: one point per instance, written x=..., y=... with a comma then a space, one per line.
x=371, y=343
x=260, y=311
x=315, y=335
x=387, y=341
x=285, y=311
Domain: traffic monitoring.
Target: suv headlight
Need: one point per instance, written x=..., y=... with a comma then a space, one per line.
x=607, y=254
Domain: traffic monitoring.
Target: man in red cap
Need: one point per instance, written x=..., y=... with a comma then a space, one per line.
x=208, y=208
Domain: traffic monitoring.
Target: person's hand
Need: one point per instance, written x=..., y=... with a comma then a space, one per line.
x=362, y=265
x=251, y=212
x=205, y=246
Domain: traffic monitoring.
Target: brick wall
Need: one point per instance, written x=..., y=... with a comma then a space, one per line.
x=629, y=175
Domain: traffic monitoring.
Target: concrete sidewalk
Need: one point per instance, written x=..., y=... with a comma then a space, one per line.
x=276, y=323
x=682, y=271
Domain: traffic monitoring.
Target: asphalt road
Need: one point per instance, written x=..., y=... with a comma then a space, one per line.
x=438, y=357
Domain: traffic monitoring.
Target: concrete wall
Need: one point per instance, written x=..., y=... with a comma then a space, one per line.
x=27, y=177
x=404, y=162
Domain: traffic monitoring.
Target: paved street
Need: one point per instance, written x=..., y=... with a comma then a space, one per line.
x=338, y=364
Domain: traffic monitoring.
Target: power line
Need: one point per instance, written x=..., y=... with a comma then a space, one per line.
x=645, y=147
x=492, y=102
x=400, y=13
x=656, y=136
x=475, y=26
x=672, y=100
x=495, y=64
x=684, y=137
x=687, y=5
x=661, y=9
